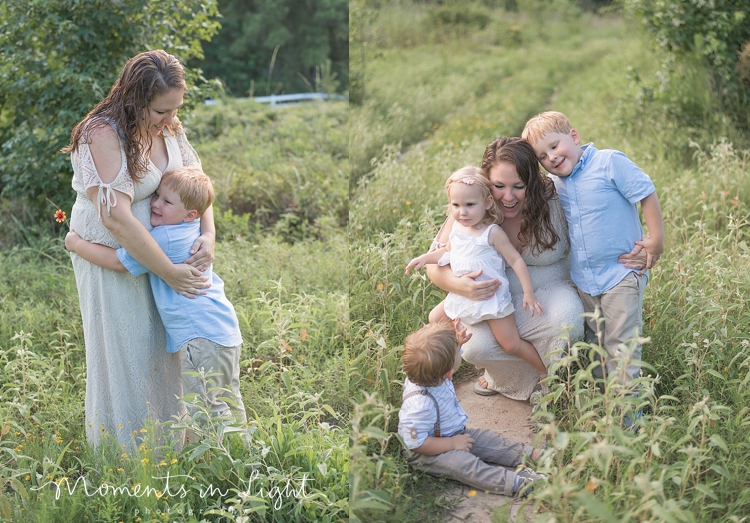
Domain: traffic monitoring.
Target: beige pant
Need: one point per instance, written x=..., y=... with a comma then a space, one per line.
x=622, y=309
x=221, y=368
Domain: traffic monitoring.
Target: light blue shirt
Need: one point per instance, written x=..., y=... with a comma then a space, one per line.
x=600, y=200
x=209, y=316
x=416, y=419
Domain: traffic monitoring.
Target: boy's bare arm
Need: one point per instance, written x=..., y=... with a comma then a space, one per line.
x=654, y=242
x=100, y=255
x=433, y=446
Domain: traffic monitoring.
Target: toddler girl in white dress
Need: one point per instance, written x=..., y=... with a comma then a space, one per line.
x=478, y=242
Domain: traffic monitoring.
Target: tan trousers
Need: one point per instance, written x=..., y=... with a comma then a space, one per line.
x=622, y=309
x=221, y=366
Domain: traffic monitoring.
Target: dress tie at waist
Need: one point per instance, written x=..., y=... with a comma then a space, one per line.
x=106, y=196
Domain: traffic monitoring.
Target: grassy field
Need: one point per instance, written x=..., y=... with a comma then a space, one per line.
x=282, y=255
x=437, y=90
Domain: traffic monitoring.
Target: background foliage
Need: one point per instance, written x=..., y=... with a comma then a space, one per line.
x=715, y=32
x=308, y=33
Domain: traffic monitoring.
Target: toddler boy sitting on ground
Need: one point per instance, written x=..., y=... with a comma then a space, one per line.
x=433, y=424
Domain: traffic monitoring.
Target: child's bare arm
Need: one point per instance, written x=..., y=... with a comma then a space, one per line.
x=500, y=241
x=100, y=255
x=429, y=257
x=654, y=242
x=433, y=446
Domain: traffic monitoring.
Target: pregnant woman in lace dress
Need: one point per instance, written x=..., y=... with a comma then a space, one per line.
x=119, y=152
x=535, y=224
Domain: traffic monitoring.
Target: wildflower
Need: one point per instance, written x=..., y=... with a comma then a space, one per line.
x=380, y=286
x=726, y=369
x=592, y=484
x=408, y=202
x=163, y=463
x=303, y=334
x=472, y=493
x=60, y=216
x=144, y=460
x=28, y=477
x=173, y=461
x=143, y=430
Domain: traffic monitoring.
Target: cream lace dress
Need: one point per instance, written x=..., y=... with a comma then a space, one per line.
x=550, y=274
x=129, y=375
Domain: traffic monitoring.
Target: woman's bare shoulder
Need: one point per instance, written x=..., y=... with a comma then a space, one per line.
x=101, y=136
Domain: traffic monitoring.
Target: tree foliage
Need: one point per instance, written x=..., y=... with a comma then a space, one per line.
x=714, y=30
x=266, y=45
x=58, y=58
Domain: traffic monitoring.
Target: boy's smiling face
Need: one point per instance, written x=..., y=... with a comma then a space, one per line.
x=167, y=208
x=559, y=153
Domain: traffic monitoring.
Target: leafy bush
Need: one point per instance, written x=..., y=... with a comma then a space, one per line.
x=715, y=31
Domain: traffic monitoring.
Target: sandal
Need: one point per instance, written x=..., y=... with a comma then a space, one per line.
x=483, y=391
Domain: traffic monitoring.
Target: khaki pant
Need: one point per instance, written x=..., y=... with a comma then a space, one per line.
x=221, y=366
x=474, y=468
x=622, y=309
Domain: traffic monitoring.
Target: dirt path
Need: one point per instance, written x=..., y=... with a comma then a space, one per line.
x=506, y=416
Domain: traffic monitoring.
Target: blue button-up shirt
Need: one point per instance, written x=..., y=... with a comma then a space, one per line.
x=209, y=315
x=600, y=200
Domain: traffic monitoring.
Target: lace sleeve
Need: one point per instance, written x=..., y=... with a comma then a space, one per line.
x=86, y=176
x=188, y=154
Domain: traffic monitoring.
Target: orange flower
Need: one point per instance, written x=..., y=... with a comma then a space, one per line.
x=285, y=347
x=303, y=334
x=592, y=484
x=60, y=216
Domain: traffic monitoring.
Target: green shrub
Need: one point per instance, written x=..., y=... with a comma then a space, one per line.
x=714, y=31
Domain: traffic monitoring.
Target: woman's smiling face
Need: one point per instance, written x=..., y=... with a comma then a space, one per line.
x=508, y=189
x=163, y=109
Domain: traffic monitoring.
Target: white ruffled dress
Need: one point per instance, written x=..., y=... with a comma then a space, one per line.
x=469, y=253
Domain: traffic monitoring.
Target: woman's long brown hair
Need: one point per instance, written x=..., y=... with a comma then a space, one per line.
x=144, y=77
x=536, y=223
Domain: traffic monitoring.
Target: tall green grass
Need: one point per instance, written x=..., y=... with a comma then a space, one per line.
x=688, y=460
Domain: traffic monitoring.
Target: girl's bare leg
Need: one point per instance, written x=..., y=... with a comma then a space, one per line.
x=438, y=313
x=506, y=334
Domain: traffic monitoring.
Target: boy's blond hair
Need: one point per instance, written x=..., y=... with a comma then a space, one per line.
x=475, y=176
x=193, y=187
x=429, y=353
x=543, y=123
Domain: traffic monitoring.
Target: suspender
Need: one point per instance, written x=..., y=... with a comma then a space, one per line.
x=425, y=392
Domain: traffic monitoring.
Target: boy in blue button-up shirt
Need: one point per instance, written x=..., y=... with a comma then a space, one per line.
x=204, y=329
x=599, y=192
